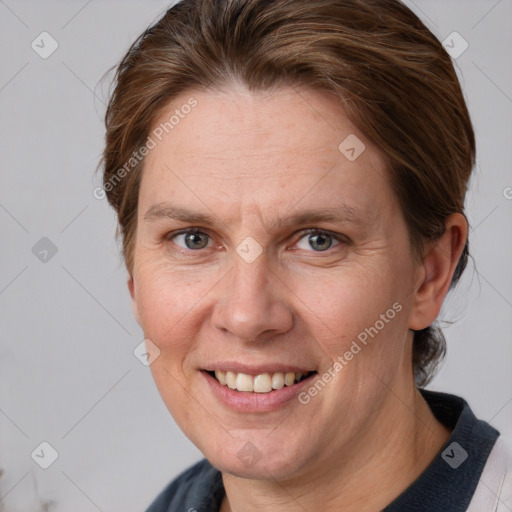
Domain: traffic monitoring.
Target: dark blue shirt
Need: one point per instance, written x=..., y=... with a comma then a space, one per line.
x=446, y=485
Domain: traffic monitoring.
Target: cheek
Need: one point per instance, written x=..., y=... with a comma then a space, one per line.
x=351, y=302
x=169, y=309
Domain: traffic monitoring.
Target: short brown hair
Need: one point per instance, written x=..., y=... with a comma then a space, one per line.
x=393, y=77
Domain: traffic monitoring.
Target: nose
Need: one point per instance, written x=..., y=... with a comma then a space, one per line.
x=252, y=303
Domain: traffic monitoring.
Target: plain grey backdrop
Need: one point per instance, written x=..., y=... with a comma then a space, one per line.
x=68, y=375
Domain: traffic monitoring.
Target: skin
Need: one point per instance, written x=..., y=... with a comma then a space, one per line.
x=248, y=159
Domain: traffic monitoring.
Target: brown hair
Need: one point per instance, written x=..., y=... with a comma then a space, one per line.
x=394, y=78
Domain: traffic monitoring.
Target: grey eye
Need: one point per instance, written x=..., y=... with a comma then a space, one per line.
x=318, y=241
x=192, y=240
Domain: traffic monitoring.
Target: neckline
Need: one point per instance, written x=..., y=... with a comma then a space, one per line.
x=450, y=480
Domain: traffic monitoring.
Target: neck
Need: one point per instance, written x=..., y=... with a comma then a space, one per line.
x=389, y=457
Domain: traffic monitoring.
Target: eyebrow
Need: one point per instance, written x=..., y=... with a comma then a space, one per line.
x=339, y=213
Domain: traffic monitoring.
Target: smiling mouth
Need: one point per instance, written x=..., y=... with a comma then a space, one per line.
x=262, y=383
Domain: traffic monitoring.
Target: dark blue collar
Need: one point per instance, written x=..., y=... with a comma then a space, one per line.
x=449, y=482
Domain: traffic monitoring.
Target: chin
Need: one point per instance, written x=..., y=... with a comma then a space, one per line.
x=257, y=459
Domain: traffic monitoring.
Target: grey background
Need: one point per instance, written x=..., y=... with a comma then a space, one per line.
x=68, y=375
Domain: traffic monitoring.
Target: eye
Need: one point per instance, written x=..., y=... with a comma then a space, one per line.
x=191, y=239
x=318, y=239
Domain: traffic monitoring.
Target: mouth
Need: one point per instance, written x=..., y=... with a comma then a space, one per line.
x=260, y=383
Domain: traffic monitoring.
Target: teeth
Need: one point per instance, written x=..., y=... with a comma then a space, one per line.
x=231, y=380
x=278, y=380
x=289, y=379
x=221, y=377
x=244, y=382
x=263, y=383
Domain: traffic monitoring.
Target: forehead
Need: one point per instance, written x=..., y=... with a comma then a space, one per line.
x=287, y=123
x=276, y=147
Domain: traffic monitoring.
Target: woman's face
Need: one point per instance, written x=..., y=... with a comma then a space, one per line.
x=300, y=263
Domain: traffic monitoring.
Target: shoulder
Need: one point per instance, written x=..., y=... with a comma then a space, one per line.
x=494, y=490
x=188, y=491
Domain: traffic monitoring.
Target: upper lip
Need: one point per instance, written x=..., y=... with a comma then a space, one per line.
x=257, y=369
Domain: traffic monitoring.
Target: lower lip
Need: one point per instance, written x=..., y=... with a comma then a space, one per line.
x=243, y=401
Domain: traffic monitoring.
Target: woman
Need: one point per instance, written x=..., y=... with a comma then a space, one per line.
x=240, y=135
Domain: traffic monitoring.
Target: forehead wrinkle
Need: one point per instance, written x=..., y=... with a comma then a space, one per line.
x=339, y=213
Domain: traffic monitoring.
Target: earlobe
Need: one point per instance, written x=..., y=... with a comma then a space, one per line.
x=437, y=270
x=131, y=288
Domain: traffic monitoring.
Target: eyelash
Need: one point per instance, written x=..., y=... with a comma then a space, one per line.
x=310, y=231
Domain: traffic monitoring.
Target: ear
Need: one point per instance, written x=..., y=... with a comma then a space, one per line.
x=135, y=306
x=436, y=272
